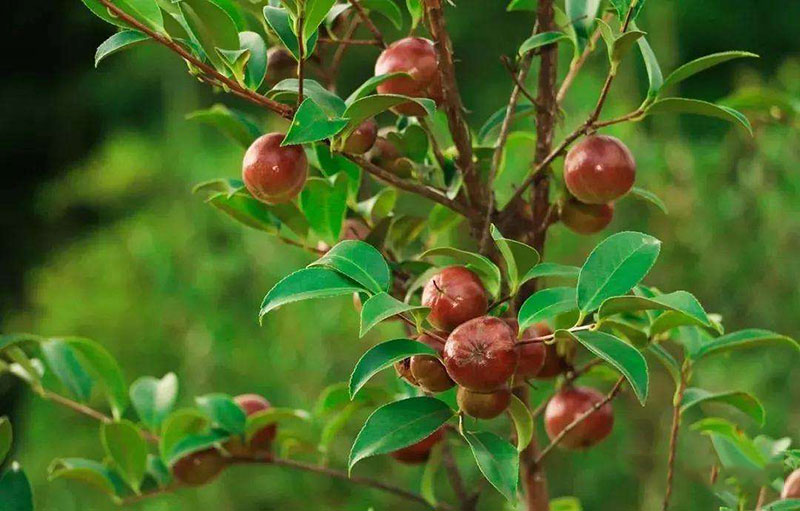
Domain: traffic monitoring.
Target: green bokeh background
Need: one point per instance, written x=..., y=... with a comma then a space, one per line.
x=107, y=242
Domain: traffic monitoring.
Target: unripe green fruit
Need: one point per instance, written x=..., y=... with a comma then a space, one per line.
x=599, y=170
x=568, y=405
x=199, y=468
x=586, y=218
x=483, y=405
x=274, y=174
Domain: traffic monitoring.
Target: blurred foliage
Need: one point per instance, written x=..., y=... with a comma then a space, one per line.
x=166, y=283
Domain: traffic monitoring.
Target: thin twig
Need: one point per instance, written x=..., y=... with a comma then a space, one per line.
x=517, y=82
x=454, y=476
x=673, y=437
x=437, y=150
x=368, y=22
x=350, y=42
x=578, y=420
x=336, y=62
x=301, y=54
x=577, y=64
x=762, y=496
x=544, y=338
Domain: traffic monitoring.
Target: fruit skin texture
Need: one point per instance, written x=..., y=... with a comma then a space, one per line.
x=586, y=218
x=791, y=488
x=274, y=174
x=280, y=65
x=417, y=57
x=480, y=355
x=455, y=295
x=569, y=404
x=362, y=138
x=483, y=405
x=419, y=452
x=199, y=468
x=599, y=170
x=428, y=371
x=261, y=442
x=531, y=356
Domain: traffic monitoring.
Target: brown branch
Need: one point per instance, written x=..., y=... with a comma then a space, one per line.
x=368, y=22
x=467, y=501
x=673, y=437
x=518, y=85
x=543, y=338
x=532, y=474
x=576, y=65
x=452, y=102
x=762, y=496
x=578, y=420
x=350, y=42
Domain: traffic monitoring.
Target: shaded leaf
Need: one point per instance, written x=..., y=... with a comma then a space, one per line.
x=15, y=490
x=387, y=8
x=324, y=203
x=703, y=63
x=179, y=424
x=118, y=42
x=366, y=88
x=223, y=412
x=523, y=422
x=497, y=460
x=154, y=398
x=539, y=40
x=742, y=339
x=647, y=195
x=551, y=270
x=87, y=471
x=306, y=284
x=493, y=123
x=6, y=437
x=286, y=90
x=125, y=446
x=515, y=165
x=698, y=107
x=230, y=122
x=380, y=307
x=742, y=401
x=382, y=356
x=256, y=69
x=519, y=257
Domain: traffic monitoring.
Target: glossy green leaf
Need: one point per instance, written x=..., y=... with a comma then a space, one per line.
x=6, y=437
x=399, y=424
x=382, y=356
x=194, y=443
x=256, y=69
x=386, y=8
x=281, y=24
x=211, y=28
x=145, y=11
x=63, y=362
x=493, y=123
x=565, y=504
x=486, y=269
x=497, y=460
x=380, y=307
x=521, y=5
x=743, y=339
x=306, y=284
x=703, y=63
x=179, y=424
x=332, y=164
x=416, y=10
x=670, y=320
x=551, y=270
x=546, y=304
x=515, y=165
x=324, y=203
x=257, y=421
x=127, y=449
x=519, y=258
x=783, y=505
x=247, y=210
x=86, y=471
x=153, y=398
x=15, y=490
x=680, y=301
x=361, y=262
x=647, y=195
x=369, y=106
x=582, y=14
x=118, y=42
x=316, y=11
x=616, y=265
x=698, y=107
x=623, y=45
x=235, y=61
x=366, y=88
x=427, y=487
x=622, y=6
x=379, y=206
x=286, y=90
x=742, y=401
x=732, y=436
x=655, y=78
x=635, y=334
x=231, y=123
x=539, y=40
x=667, y=360
x=311, y=124
x=523, y=422
x=105, y=369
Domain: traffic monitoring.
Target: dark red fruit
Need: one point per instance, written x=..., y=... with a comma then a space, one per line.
x=274, y=174
x=554, y=363
x=354, y=229
x=531, y=356
x=791, y=487
x=428, y=371
x=280, y=65
x=586, y=218
x=599, y=170
x=419, y=452
x=480, y=355
x=417, y=57
x=455, y=295
x=261, y=441
x=571, y=403
x=362, y=138
x=199, y=468
x=483, y=405
x=403, y=369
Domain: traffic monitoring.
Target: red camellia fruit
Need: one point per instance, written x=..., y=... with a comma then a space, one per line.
x=481, y=355
x=199, y=468
x=274, y=174
x=415, y=56
x=483, y=405
x=554, y=363
x=569, y=404
x=455, y=295
x=429, y=372
x=599, y=170
x=419, y=452
x=261, y=441
x=791, y=487
x=531, y=356
x=586, y=218
x=362, y=138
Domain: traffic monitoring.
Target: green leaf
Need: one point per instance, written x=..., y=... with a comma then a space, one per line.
x=493, y=123
x=523, y=422
x=582, y=14
x=397, y=425
x=546, y=304
x=519, y=258
x=622, y=6
x=247, y=210
x=279, y=21
x=515, y=165
x=158, y=471
x=698, y=107
x=230, y=122
x=428, y=484
x=539, y=40
x=316, y=11
x=739, y=340
x=623, y=44
x=325, y=205
x=742, y=401
x=286, y=90
x=486, y=269
x=783, y=505
x=551, y=270
x=667, y=360
x=194, y=443
x=332, y=164
x=670, y=320
x=256, y=69
x=118, y=42
x=64, y=363
x=627, y=359
x=566, y=504
x=154, y=398
x=179, y=424
x=146, y=11
x=311, y=124
x=654, y=77
x=306, y=284
x=616, y=265
x=703, y=63
x=235, y=61
x=105, y=370
x=125, y=446
x=379, y=206
x=15, y=490
x=382, y=356
x=647, y=195
x=497, y=460
x=211, y=28
x=361, y=262
x=5, y=438
x=366, y=88
x=731, y=436
x=257, y=421
x=416, y=10
x=86, y=471
x=680, y=301
x=380, y=307
x=369, y=106
x=386, y=8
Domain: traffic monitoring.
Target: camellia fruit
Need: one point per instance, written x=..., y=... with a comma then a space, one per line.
x=791, y=487
x=429, y=372
x=415, y=56
x=261, y=441
x=555, y=363
x=586, y=218
x=531, y=356
x=199, y=468
x=481, y=355
x=455, y=295
x=483, y=405
x=419, y=452
x=599, y=169
x=569, y=404
x=274, y=174
x=362, y=138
